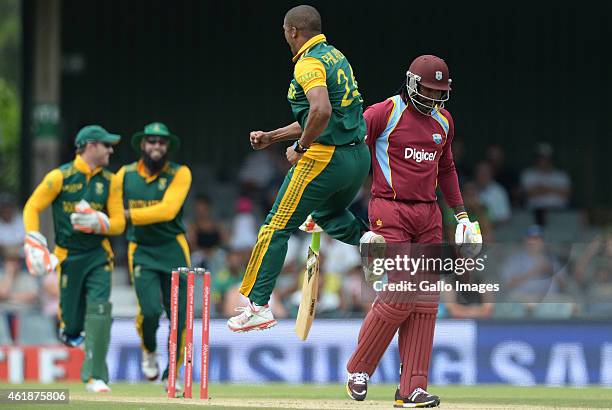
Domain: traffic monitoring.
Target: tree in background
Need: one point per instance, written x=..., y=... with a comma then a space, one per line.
x=10, y=105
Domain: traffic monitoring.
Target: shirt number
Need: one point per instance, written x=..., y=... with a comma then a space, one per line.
x=351, y=92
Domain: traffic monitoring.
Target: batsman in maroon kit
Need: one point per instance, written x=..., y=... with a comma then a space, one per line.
x=410, y=137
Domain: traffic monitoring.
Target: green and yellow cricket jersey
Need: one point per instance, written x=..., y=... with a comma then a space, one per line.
x=63, y=188
x=155, y=202
x=320, y=64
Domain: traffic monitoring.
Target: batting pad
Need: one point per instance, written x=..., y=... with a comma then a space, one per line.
x=415, y=344
x=377, y=331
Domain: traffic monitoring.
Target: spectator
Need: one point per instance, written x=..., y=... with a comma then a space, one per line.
x=357, y=296
x=206, y=237
x=508, y=177
x=12, y=232
x=491, y=194
x=593, y=272
x=545, y=186
x=477, y=211
x=244, y=226
x=533, y=272
x=18, y=289
x=467, y=304
x=225, y=284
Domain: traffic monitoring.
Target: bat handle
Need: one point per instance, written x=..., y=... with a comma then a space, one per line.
x=315, y=242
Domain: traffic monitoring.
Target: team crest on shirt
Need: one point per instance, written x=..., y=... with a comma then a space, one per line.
x=379, y=223
x=99, y=188
x=437, y=138
x=161, y=185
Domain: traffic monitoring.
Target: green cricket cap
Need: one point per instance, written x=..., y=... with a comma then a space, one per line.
x=157, y=129
x=91, y=133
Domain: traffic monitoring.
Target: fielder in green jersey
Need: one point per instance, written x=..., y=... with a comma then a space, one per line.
x=81, y=194
x=154, y=190
x=330, y=160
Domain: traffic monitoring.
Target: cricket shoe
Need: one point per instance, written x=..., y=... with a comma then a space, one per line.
x=97, y=386
x=357, y=385
x=419, y=398
x=253, y=317
x=71, y=341
x=149, y=365
x=371, y=247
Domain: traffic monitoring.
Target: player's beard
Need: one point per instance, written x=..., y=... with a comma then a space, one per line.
x=154, y=166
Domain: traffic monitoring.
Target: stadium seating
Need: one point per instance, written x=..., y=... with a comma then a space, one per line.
x=36, y=329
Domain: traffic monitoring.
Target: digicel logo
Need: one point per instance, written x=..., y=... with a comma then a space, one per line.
x=419, y=156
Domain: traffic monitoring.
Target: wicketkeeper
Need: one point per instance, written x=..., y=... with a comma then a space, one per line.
x=86, y=205
x=154, y=191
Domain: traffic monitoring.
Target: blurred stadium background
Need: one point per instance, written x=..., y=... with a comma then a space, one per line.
x=532, y=146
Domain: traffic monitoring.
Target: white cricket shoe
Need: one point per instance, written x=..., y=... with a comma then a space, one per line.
x=357, y=385
x=253, y=317
x=97, y=386
x=371, y=246
x=149, y=365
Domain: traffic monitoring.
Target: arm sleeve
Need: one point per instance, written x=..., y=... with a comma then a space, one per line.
x=309, y=73
x=171, y=203
x=447, y=174
x=114, y=204
x=43, y=195
x=377, y=117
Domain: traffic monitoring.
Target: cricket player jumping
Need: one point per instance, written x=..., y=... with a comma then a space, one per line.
x=154, y=191
x=410, y=136
x=80, y=192
x=330, y=161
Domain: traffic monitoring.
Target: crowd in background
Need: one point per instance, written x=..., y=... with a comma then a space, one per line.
x=528, y=209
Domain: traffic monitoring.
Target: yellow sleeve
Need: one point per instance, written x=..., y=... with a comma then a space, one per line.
x=114, y=204
x=309, y=73
x=170, y=204
x=43, y=195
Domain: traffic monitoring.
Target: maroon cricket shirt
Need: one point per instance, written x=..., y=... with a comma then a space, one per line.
x=411, y=153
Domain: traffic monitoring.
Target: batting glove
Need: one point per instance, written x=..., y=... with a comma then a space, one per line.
x=38, y=258
x=87, y=220
x=467, y=235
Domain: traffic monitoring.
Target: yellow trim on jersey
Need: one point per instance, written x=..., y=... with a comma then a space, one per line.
x=62, y=254
x=114, y=206
x=131, y=252
x=307, y=169
x=309, y=73
x=182, y=241
x=319, y=38
x=83, y=167
x=44, y=194
x=139, y=329
x=108, y=248
x=170, y=205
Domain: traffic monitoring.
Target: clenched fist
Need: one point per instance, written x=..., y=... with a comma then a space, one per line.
x=260, y=139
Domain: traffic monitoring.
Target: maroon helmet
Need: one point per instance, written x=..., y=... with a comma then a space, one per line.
x=431, y=72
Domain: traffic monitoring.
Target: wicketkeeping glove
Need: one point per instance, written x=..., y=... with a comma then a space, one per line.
x=467, y=235
x=38, y=258
x=88, y=220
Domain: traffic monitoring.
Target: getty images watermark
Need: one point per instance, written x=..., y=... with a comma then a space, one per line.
x=429, y=274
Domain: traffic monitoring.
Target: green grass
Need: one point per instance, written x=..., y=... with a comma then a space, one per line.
x=588, y=397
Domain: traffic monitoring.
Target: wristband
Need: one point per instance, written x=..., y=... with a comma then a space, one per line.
x=299, y=148
x=461, y=215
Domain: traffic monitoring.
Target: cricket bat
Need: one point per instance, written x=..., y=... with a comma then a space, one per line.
x=310, y=286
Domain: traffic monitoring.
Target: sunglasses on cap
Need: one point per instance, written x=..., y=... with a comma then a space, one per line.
x=156, y=139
